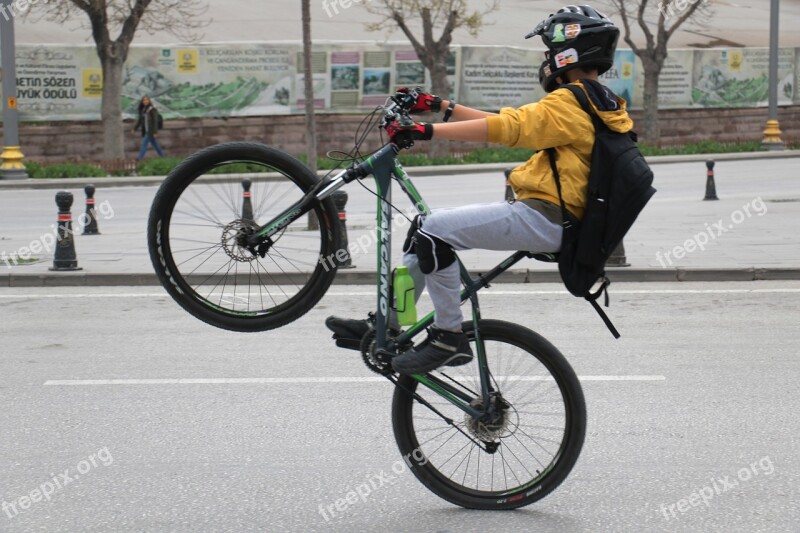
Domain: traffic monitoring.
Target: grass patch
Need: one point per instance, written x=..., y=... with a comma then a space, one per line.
x=20, y=261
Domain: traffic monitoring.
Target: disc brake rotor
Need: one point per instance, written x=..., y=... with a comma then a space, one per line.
x=234, y=240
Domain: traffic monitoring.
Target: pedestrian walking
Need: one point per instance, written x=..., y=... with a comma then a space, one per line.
x=149, y=122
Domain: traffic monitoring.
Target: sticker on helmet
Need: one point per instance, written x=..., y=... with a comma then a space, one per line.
x=547, y=71
x=558, y=34
x=572, y=30
x=567, y=57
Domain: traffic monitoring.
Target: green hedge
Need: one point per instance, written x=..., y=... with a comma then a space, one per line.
x=159, y=166
x=702, y=147
x=66, y=170
x=162, y=166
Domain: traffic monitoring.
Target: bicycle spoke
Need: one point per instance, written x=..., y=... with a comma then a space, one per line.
x=522, y=438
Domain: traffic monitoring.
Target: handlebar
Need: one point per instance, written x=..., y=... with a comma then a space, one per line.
x=397, y=107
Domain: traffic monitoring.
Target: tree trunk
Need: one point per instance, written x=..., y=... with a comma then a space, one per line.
x=311, y=121
x=652, y=128
x=439, y=86
x=111, y=114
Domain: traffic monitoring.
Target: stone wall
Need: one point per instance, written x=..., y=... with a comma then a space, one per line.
x=74, y=141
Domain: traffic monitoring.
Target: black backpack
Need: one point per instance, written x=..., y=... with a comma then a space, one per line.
x=159, y=120
x=620, y=184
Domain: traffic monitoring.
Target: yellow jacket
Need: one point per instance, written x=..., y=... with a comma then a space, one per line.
x=558, y=121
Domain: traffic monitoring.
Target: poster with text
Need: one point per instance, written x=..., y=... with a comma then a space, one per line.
x=58, y=83
x=675, y=81
x=738, y=77
x=496, y=77
x=211, y=80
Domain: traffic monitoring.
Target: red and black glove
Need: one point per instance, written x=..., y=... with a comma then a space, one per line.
x=424, y=103
x=404, y=134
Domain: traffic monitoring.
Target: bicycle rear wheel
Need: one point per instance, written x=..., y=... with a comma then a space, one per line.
x=510, y=462
x=198, y=217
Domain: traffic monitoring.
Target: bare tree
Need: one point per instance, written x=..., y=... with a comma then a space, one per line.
x=449, y=15
x=181, y=18
x=671, y=15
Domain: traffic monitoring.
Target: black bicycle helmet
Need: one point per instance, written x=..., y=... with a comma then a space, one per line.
x=576, y=36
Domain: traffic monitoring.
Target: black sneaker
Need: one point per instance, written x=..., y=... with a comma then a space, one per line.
x=441, y=348
x=348, y=332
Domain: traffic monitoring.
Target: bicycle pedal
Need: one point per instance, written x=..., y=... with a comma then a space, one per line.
x=349, y=344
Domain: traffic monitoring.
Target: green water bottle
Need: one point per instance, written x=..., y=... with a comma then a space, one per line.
x=404, y=297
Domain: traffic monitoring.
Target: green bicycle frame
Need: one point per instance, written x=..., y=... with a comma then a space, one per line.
x=384, y=166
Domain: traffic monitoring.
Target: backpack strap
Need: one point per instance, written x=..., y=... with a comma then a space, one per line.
x=567, y=223
x=566, y=218
x=592, y=299
x=551, y=152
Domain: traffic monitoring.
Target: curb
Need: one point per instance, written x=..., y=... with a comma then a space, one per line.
x=441, y=170
x=368, y=277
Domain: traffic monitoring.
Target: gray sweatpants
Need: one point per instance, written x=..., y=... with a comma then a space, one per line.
x=499, y=226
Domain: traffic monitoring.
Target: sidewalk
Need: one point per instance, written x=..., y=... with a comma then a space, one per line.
x=749, y=234
x=441, y=170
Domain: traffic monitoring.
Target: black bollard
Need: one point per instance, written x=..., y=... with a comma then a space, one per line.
x=91, y=215
x=343, y=254
x=711, y=188
x=247, y=200
x=617, y=258
x=509, y=191
x=65, y=257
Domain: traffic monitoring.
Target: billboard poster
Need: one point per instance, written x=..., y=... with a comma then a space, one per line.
x=675, y=82
x=210, y=80
x=496, y=77
x=58, y=83
x=410, y=70
x=345, y=79
x=738, y=77
x=257, y=79
x=620, y=77
x=376, y=77
x=321, y=81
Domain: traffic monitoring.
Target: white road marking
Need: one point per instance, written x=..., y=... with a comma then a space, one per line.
x=483, y=293
x=267, y=381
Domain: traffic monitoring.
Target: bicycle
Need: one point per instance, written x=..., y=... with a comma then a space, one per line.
x=518, y=406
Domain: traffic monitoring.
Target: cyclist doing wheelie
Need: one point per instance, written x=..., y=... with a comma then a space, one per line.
x=581, y=42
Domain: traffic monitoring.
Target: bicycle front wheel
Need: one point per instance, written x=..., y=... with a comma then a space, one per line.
x=518, y=457
x=195, y=230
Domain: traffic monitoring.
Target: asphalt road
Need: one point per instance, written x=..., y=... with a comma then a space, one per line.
x=708, y=405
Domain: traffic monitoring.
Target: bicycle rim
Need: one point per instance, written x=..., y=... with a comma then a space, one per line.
x=536, y=441
x=197, y=222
